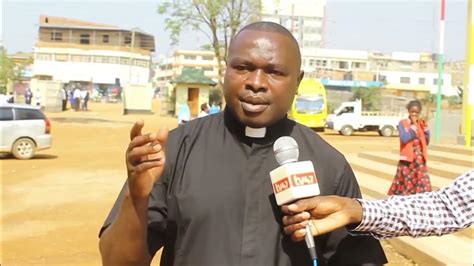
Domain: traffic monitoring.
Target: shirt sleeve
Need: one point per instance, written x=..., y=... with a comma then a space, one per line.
x=440, y=212
x=345, y=248
x=157, y=214
x=159, y=231
x=405, y=136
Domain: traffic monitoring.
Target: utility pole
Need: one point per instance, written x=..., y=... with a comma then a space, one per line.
x=130, y=59
x=468, y=90
x=440, y=70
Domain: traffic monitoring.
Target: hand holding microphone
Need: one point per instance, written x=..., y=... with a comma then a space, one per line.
x=324, y=213
x=294, y=180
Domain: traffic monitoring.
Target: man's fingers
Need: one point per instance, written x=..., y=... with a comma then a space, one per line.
x=298, y=235
x=290, y=229
x=162, y=136
x=142, y=140
x=297, y=218
x=145, y=153
x=142, y=167
x=301, y=205
x=136, y=129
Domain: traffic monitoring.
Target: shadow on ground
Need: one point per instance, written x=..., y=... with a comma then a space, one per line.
x=84, y=120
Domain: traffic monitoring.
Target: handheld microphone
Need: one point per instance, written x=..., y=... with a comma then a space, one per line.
x=294, y=180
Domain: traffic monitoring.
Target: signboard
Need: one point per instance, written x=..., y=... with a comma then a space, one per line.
x=351, y=83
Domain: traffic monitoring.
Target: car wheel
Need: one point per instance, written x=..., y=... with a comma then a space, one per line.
x=24, y=149
x=387, y=131
x=347, y=130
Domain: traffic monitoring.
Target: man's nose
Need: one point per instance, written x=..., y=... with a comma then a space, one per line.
x=257, y=81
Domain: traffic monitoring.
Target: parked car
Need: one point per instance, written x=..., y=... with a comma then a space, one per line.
x=25, y=130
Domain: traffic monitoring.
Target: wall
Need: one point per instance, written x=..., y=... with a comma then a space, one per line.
x=105, y=73
x=137, y=98
x=50, y=92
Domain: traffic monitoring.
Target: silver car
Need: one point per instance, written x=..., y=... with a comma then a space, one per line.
x=24, y=129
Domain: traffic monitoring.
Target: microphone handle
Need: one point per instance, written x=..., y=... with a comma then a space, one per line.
x=309, y=239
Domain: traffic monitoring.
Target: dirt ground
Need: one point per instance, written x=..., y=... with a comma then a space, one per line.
x=54, y=204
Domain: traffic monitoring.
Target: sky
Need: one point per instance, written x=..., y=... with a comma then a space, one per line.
x=374, y=25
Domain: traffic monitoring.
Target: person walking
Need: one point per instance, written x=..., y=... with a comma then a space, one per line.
x=28, y=96
x=412, y=172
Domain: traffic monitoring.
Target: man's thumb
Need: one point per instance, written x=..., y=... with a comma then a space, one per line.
x=163, y=136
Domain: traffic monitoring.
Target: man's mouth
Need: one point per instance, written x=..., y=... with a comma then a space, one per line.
x=253, y=108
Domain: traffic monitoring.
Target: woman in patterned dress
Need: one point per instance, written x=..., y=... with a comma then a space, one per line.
x=412, y=173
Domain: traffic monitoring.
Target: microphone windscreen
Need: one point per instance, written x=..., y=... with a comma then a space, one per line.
x=286, y=150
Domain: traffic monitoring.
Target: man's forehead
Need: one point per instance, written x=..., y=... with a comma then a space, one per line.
x=262, y=40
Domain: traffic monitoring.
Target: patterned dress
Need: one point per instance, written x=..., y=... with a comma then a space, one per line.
x=411, y=177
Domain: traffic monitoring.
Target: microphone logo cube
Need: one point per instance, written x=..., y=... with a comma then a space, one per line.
x=294, y=181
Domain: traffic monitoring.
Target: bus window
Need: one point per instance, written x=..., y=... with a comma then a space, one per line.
x=309, y=104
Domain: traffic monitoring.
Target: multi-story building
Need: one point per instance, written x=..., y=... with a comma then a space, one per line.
x=70, y=50
x=170, y=67
x=305, y=19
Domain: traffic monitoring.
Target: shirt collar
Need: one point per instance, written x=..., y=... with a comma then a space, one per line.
x=283, y=127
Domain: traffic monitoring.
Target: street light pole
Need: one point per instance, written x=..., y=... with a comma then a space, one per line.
x=440, y=70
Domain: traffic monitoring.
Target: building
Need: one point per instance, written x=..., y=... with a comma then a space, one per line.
x=305, y=19
x=75, y=51
x=170, y=67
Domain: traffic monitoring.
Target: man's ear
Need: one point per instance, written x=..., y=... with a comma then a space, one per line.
x=300, y=78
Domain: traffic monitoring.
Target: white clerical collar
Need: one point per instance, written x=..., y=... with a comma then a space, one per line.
x=255, y=132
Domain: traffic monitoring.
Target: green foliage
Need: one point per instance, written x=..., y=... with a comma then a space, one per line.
x=454, y=100
x=219, y=20
x=9, y=71
x=429, y=98
x=371, y=97
x=215, y=95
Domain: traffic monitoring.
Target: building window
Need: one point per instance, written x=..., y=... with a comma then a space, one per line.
x=61, y=57
x=140, y=63
x=105, y=38
x=85, y=39
x=421, y=81
x=208, y=68
x=43, y=57
x=113, y=60
x=190, y=57
x=56, y=36
x=124, y=61
x=321, y=63
x=208, y=57
x=343, y=65
x=81, y=58
x=405, y=80
x=127, y=40
x=435, y=81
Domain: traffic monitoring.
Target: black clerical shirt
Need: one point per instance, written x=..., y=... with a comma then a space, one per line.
x=214, y=204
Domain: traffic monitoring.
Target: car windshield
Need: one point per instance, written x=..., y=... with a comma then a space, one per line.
x=309, y=104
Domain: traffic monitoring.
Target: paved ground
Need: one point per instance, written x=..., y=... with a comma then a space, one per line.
x=54, y=204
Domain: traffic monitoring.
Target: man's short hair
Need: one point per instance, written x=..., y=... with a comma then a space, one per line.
x=268, y=26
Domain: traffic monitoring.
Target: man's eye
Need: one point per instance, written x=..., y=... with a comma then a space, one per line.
x=240, y=68
x=278, y=73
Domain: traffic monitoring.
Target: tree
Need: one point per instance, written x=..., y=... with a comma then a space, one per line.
x=10, y=71
x=218, y=20
x=370, y=97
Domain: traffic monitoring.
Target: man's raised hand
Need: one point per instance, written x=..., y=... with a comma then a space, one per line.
x=145, y=159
